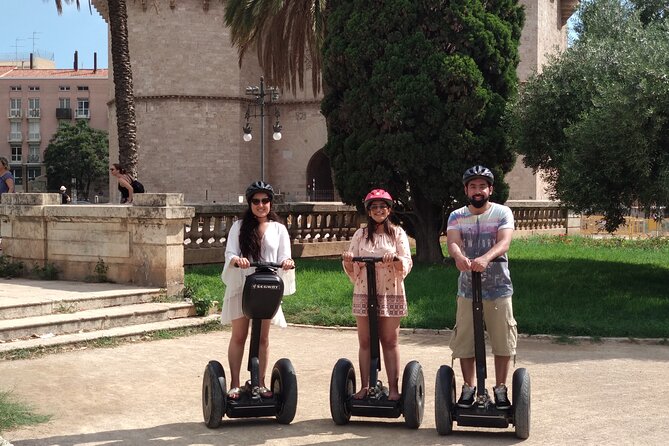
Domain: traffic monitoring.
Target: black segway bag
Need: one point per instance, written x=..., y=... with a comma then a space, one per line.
x=263, y=291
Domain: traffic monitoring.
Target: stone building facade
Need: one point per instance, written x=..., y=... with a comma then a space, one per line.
x=36, y=101
x=190, y=106
x=545, y=33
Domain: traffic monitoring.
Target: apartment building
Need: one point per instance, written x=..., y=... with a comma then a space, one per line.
x=37, y=100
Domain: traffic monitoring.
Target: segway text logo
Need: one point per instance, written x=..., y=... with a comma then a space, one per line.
x=265, y=287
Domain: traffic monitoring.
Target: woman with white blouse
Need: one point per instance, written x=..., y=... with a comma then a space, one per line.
x=258, y=236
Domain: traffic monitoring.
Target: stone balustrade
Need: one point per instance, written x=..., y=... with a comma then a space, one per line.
x=542, y=217
x=140, y=244
x=149, y=242
x=315, y=229
x=324, y=229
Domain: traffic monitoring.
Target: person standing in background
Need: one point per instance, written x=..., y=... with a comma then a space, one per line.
x=6, y=177
x=64, y=198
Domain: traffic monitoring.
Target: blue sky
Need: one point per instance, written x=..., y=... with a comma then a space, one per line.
x=55, y=35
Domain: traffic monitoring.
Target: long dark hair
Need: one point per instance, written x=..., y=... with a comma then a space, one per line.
x=249, y=237
x=120, y=169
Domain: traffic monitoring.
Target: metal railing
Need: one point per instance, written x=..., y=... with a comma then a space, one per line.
x=34, y=113
x=14, y=113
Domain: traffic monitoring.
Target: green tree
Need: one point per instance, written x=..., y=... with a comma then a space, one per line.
x=123, y=91
x=416, y=94
x=76, y=151
x=651, y=10
x=596, y=120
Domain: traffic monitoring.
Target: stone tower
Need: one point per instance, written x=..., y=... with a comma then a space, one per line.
x=190, y=106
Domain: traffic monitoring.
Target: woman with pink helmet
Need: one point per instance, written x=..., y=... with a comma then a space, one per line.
x=380, y=238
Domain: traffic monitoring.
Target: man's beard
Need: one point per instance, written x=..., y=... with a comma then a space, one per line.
x=478, y=202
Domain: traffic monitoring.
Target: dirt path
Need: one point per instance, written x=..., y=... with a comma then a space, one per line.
x=609, y=393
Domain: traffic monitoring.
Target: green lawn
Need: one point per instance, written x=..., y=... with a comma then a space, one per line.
x=563, y=286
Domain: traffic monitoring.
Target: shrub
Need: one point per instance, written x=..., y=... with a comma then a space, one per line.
x=10, y=268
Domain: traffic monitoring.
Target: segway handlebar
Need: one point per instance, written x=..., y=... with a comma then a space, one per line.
x=265, y=264
x=369, y=259
x=496, y=259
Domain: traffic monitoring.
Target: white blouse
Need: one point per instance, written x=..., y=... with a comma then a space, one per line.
x=274, y=247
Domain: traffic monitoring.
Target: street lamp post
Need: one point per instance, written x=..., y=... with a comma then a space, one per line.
x=259, y=93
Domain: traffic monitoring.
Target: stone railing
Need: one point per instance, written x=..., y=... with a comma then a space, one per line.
x=325, y=229
x=542, y=217
x=315, y=229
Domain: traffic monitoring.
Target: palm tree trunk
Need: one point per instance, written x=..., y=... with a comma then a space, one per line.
x=123, y=89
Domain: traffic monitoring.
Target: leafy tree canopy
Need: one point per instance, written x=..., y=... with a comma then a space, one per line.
x=415, y=94
x=596, y=120
x=76, y=151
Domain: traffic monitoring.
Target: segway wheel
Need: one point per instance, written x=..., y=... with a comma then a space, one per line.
x=444, y=400
x=521, y=402
x=413, y=394
x=214, y=388
x=342, y=386
x=284, y=388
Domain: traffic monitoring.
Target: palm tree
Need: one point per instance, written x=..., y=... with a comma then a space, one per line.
x=123, y=90
x=287, y=35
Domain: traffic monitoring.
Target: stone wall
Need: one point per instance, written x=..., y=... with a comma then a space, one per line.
x=140, y=244
x=544, y=34
x=190, y=104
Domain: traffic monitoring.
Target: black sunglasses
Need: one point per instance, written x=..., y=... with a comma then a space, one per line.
x=260, y=200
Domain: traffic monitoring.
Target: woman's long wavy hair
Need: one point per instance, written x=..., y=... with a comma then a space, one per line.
x=249, y=237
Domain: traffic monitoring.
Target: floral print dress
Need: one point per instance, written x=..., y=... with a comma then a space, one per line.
x=391, y=296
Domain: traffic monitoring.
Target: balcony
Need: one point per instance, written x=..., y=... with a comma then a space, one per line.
x=34, y=137
x=15, y=137
x=82, y=113
x=34, y=113
x=63, y=113
x=33, y=159
x=14, y=113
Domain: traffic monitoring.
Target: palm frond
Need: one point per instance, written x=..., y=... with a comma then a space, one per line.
x=286, y=34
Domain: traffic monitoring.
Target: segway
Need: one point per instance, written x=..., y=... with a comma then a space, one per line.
x=261, y=298
x=376, y=404
x=483, y=412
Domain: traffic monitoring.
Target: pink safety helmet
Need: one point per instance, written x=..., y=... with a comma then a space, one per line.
x=378, y=194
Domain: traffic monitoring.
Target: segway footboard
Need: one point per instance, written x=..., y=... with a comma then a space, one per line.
x=247, y=406
x=372, y=407
x=485, y=416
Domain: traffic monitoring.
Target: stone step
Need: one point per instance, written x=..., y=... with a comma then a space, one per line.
x=24, y=307
x=116, y=332
x=92, y=320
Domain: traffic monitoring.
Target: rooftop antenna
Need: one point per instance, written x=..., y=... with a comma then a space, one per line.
x=33, y=38
x=16, y=48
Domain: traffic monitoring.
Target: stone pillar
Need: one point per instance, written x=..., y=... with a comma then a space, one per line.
x=573, y=223
x=156, y=225
x=141, y=244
